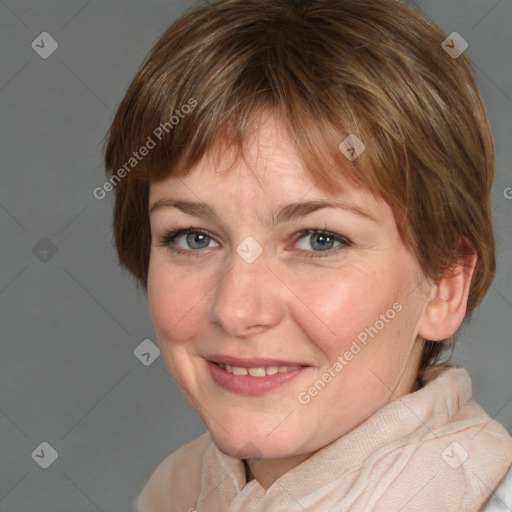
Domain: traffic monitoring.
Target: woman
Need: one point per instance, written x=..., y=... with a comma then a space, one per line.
x=336, y=161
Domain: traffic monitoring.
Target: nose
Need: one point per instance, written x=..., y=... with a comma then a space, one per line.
x=248, y=298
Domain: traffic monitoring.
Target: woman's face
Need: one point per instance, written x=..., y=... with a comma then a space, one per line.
x=343, y=306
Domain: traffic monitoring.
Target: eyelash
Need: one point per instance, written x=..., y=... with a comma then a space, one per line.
x=171, y=235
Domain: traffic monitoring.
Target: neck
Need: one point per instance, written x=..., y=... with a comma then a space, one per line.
x=267, y=471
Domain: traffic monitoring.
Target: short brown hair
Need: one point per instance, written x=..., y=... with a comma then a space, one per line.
x=326, y=68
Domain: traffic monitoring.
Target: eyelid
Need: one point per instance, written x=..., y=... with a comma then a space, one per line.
x=173, y=233
x=343, y=241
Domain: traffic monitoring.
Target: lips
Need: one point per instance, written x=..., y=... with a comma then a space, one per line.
x=247, y=384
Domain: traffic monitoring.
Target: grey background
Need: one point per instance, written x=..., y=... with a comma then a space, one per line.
x=70, y=323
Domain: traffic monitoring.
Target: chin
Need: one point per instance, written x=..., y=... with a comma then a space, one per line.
x=252, y=445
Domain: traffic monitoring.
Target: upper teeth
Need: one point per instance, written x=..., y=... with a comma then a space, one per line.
x=257, y=371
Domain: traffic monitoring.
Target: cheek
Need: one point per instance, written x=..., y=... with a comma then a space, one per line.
x=346, y=305
x=177, y=301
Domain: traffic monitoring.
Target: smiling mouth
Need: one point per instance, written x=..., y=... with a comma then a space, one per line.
x=256, y=380
x=257, y=371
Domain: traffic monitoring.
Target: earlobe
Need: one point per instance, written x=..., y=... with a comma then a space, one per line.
x=447, y=302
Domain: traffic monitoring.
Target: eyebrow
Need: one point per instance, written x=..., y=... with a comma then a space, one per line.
x=283, y=214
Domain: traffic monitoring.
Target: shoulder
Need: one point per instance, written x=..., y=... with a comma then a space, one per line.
x=176, y=480
x=501, y=499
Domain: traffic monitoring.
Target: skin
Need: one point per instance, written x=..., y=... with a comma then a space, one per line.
x=284, y=305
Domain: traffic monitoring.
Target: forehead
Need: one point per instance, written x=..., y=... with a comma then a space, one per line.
x=241, y=195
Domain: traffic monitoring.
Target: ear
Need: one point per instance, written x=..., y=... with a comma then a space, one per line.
x=447, y=302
